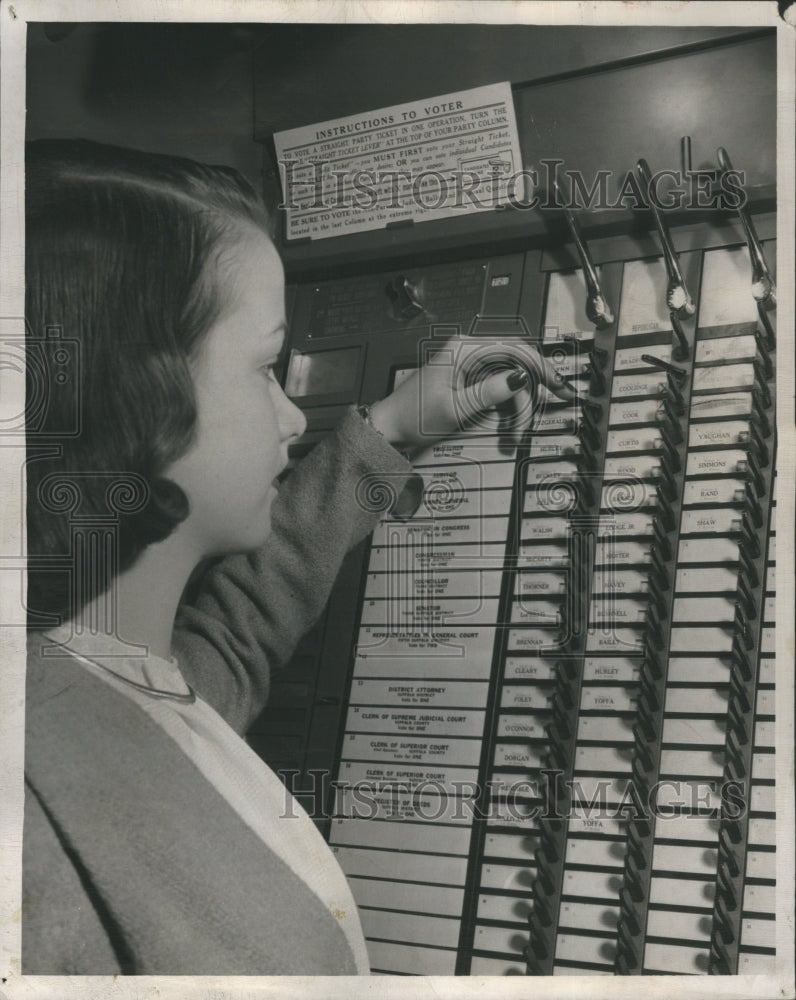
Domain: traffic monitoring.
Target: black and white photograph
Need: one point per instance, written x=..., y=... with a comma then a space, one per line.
x=397, y=425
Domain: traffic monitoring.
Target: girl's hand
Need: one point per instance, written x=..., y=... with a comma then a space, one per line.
x=464, y=380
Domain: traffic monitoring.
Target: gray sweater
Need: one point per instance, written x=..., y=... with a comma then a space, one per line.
x=132, y=861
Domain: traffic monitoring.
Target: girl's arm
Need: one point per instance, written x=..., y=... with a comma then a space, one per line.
x=252, y=609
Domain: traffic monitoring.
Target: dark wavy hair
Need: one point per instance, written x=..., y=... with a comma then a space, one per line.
x=122, y=254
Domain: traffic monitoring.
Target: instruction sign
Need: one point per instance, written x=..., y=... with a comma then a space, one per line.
x=429, y=159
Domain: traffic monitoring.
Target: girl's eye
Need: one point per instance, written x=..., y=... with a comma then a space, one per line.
x=268, y=371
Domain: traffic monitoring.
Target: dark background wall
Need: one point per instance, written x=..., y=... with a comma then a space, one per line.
x=172, y=88
x=208, y=90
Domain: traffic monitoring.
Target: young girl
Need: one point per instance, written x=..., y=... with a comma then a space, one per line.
x=155, y=840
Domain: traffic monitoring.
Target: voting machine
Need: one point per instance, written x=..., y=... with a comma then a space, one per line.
x=536, y=721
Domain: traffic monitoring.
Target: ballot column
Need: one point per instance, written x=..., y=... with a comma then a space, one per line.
x=699, y=694
x=561, y=515
x=620, y=598
x=412, y=744
x=505, y=861
x=744, y=904
x=757, y=930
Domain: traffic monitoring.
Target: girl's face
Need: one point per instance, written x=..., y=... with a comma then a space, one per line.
x=244, y=421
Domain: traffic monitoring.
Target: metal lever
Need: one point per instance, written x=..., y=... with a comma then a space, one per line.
x=678, y=298
x=597, y=309
x=680, y=352
x=663, y=366
x=763, y=289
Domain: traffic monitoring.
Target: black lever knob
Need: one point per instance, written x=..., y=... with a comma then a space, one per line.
x=646, y=709
x=742, y=629
x=544, y=874
x=588, y=433
x=549, y=847
x=666, y=483
x=675, y=393
x=538, y=946
x=535, y=926
x=624, y=944
x=749, y=539
x=760, y=381
x=737, y=723
x=753, y=506
x=719, y=958
x=734, y=831
x=740, y=659
x=748, y=568
x=633, y=878
x=560, y=716
x=765, y=357
x=656, y=597
x=771, y=337
x=680, y=351
x=735, y=750
x=673, y=428
x=727, y=852
x=726, y=889
x=594, y=410
x=629, y=915
x=670, y=454
x=587, y=461
x=644, y=728
x=739, y=693
x=563, y=700
x=676, y=372
x=662, y=542
x=555, y=748
x=734, y=769
x=723, y=923
x=626, y=962
x=641, y=780
x=642, y=750
x=550, y=823
x=670, y=430
x=759, y=410
x=755, y=476
x=541, y=909
x=405, y=298
x=654, y=629
x=758, y=446
x=664, y=510
x=658, y=571
x=651, y=697
x=652, y=661
x=596, y=379
x=585, y=492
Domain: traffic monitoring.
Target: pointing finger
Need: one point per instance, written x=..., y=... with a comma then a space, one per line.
x=498, y=388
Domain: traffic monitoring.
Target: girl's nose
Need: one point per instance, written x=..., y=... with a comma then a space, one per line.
x=292, y=422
